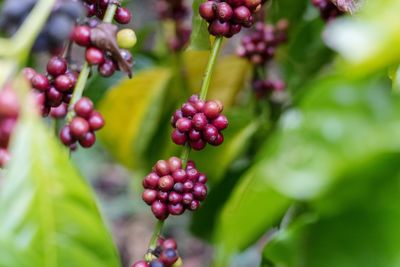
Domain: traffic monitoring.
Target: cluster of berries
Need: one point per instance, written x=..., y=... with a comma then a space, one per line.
x=199, y=122
x=177, y=11
x=227, y=17
x=260, y=45
x=328, y=11
x=266, y=87
x=170, y=189
x=165, y=255
x=103, y=57
x=98, y=8
x=53, y=90
x=58, y=26
x=83, y=126
x=9, y=111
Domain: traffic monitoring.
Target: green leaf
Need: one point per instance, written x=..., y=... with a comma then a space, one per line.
x=200, y=38
x=49, y=216
x=363, y=232
x=366, y=40
x=254, y=201
x=132, y=111
x=223, y=87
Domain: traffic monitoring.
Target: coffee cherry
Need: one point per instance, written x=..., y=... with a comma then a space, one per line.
x=107, y=69
x=194, y=205
x=169, y=256
x=176, y=209
x=210, y=133
x=199, y=122
x=224, y=11
x=241, y=14
x=40, y=82
x=174, y=198
x=94, y=56
x=178, y=137
x=200, y=191
x=59, y=112
x=126, y=38
x=184, y=125
x=84, y=107
x=151, y=181
x=96, y=121
x=166, y=183
x=194, y=135
x=219, y=28
x=206, y=10
x=81, y=35
x=187, y=198
x=162, y=196
x=156, y=263
x=149, y=196
x=63, y=83
x=212, y=109
x=198, y=145
x=220, y=122
x=66, y=136
x=79, y=127
x=179, y=176
x=88, y=140
x=9, y=104
x=123, y=15
x=160, y=210
x=170, y=244
x=140, y=264
x=175, y=164
x=188, y=110
x=54, y=97
x=57, y=66
x=162, y=168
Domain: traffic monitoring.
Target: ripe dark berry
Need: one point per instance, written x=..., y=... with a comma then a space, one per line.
x=188, y=186
x=170, y=244
x=224, y=11
x=84, y=107
x=59, y=112
x=54, y=97
x=179, y=176
x=123, y=15
x=88, y=140
x=162, y=168
x=194, y=205
x=141, y=264
x=162, y=196
x=184, y=125
x=198, y=145
x=200, y=191
x=81, y=35
x=174, y=198
x=166, y=183
x=176, y=209
x=206, y=10
x=210, y=133
x=57, y=66
x=96, y=121
x=175, y=164
x=194, y=135
x=160, y=210
x=212, y=109
x=219, y=28
x=241, y=14
x=63, y=83
x=94, y=56
x=178, y=137
x=188, y=110
x=199, y=122
x=149, y=196
x=187, y=198
x=40, y=82
x=220, y=122
x=151, y=180
x=107, y=69
x=156, y=263
x=66, y=136
x=79, y=127
x=169, y=256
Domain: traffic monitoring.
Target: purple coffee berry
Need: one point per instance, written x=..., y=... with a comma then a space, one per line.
x=160, y=210
x=84, y=107
x=57, y=66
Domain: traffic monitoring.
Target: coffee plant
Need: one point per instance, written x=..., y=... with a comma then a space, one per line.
x=173, y=133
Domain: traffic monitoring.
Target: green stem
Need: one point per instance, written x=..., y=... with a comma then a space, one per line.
x=185, y=156
x=84, y=74
x=153, y=240
x=210, y=67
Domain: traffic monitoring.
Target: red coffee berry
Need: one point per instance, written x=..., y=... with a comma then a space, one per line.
x=151, y=181
x=187, y=198
x=94, y=56
x=96, y=121
x=57, y=66
x=170, y=244
x=107, y=69
x=178, y=137
x=66, y=136
x=84, y=107
x=54, y=97
x=169, y=256
x=220, y=122
x=224, y=11
x=162, y=168
x=188, y=110
x=184, y=125
x=200, y=191
x=176, y=209
x=88, y=140
x=79, y=127
x=166, y=183
x=59, y=112
x=123, y=15
x=63, y=83
x=40, y=82
x=162, y=196
x=160, y=210
x=149, y=196
x=199, y=121
x=212, y=109
x=194, y=135
x=241, y=14
x=81, y=35
x=179, y=176
x=175, y=164
x=219, y=28
x=206, y=10
x=198, y=145
x=174, y=197
x=210, y=133
x=141, y=264
x=194, y=205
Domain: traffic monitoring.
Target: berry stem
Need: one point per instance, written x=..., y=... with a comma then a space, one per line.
x=84, y=74
x=210, y=67
x=153, y=240
x=185, y=156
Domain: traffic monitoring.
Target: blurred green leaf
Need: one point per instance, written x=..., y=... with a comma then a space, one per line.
x=200, y=38
x=223, y=87
x=364, y=232
x=366, y=40
x=132, y=110
x=49, y=216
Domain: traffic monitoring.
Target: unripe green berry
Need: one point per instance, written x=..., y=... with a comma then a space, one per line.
x=126, y=38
